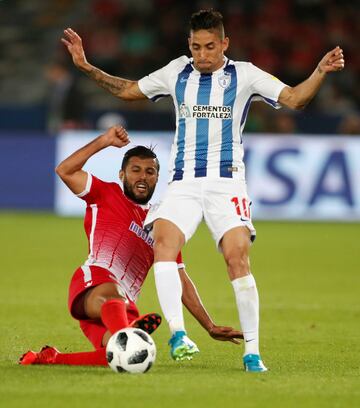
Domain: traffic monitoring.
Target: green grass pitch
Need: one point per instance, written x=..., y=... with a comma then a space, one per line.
x=308, y=276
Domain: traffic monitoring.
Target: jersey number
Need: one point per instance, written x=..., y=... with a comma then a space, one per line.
x=242, y=209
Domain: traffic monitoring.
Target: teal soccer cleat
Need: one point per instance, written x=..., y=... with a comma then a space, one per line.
x=254, y=364
x=182, y=348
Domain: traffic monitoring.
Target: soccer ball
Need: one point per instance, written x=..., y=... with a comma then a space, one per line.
x=130, y=350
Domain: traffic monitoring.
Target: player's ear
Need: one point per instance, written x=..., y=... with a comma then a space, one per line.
x=121, y=175
x=225, y=44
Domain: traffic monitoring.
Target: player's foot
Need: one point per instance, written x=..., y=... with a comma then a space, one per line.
x=182, y=348
x=46, y=355
x=253, y=363
x=28, y=358
x=148, y=322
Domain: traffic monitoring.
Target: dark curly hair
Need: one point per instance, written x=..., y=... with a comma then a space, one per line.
x=140, y=151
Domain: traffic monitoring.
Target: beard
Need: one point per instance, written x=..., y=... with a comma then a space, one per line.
x=129, y=192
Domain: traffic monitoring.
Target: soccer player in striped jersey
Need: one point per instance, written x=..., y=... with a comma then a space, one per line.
x=103, y=291
x=211, y=95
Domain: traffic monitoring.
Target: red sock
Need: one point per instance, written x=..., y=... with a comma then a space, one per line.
x=113, y=315
x=93, y=358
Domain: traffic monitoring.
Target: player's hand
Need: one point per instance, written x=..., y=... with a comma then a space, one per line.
x=224, y=333
x=116, y=136
x=332, y=61
x=74, y=45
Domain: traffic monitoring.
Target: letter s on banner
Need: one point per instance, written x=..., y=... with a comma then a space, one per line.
x=276, y=170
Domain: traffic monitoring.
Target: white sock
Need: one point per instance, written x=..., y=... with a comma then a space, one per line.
x=169, y=290
x=247, y=300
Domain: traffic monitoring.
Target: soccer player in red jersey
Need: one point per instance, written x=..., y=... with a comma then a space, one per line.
x=104, y=289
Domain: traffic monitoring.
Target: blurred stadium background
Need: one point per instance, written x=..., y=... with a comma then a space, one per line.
x=307, y=272
x=48, y=108
x=132, y=38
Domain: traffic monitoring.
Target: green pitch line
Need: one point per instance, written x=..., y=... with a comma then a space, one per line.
x=308, y=278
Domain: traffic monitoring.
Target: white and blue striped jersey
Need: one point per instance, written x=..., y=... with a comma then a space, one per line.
x=211, y=110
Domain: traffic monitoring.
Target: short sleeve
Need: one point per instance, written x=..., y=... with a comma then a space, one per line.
x=264, y=85
x=92, y=191
x=155, y=85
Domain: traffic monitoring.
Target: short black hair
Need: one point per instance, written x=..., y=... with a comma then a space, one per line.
x=140, y=151
x=207, y=20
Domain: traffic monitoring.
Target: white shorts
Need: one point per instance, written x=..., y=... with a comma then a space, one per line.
x=223, y=203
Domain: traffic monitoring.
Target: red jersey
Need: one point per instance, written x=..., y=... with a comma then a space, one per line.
x=117, y=241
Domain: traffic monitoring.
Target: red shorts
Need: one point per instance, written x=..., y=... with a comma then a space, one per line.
x=84, y=279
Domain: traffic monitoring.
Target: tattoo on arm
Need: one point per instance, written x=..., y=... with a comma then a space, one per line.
x=319, y=69
x=113, y=84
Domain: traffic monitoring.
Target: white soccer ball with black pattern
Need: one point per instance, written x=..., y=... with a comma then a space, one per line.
x=131, y=350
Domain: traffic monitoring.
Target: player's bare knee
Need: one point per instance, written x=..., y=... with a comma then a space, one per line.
x=238, y=264
x=168, y=240
x=98, y=296
x=163, y=249
x=167, y=249
x=239, y=249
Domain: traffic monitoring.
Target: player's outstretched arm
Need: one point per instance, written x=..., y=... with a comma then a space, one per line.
x=192, y=302
x=70, y=170
x=122, y=88
x=299, y=96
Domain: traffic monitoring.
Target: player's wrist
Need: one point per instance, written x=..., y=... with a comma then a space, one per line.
x=84, y=66
x=210, y=327
x=320, y=70
x=104, y=141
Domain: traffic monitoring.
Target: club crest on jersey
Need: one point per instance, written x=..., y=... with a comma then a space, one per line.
x=184, y=111
x=225, y=80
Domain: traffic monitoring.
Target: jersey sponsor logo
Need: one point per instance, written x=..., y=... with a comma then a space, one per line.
x=205, y=111
x=184, y=111
x=138, y=231
x=225, y=80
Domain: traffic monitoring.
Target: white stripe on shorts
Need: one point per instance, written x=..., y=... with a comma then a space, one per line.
x=87, y=273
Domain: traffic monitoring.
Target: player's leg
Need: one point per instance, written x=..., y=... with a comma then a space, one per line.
x=104, y=309
x=50, y=355
x=95, y=295
x=174, y=221
x=107, y=302
x=96, y=333
x=87, y=305
x=168, y=242
x=148, y=322
x=235, y=246
x=228, y=218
